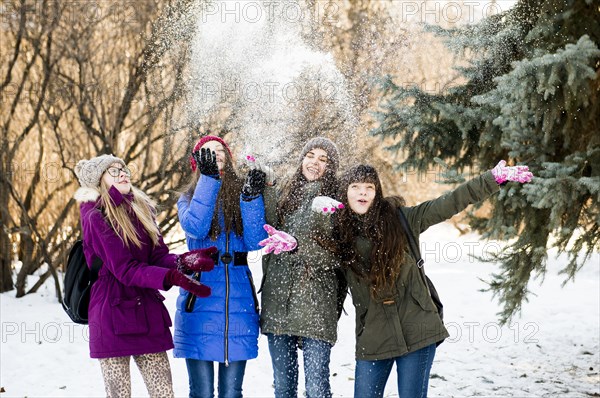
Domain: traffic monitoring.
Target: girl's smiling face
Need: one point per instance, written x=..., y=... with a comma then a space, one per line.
x=361, y=196
x=314, y=163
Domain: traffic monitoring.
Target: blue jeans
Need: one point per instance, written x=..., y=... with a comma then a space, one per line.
x=413, y=374
x=284, y=356
x=202, y=378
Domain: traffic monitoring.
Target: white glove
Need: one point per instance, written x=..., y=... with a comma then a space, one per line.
x=256, y=164
x=325, y=205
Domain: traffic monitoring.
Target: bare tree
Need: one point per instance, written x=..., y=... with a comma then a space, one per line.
x=85, y=79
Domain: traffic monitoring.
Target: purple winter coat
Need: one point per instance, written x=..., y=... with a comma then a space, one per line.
x=126, y=313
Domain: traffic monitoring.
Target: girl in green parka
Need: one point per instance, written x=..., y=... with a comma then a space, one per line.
x=299, y=297
x=396, y=320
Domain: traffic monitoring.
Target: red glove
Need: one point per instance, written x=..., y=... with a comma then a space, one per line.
x=196, y=260
x=176, y=278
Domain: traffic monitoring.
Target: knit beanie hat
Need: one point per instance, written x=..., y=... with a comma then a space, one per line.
x=325, y=144
x=204, y=140
x=89, y=172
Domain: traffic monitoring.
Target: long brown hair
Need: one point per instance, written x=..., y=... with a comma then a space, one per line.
x=293, y=191
x=380, y=225
x=144, y=209
x=228, y=200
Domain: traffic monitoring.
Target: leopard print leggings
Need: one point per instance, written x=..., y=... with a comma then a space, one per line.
x=155, y=370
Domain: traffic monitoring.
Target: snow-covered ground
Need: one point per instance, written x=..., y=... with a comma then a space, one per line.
x=551, y=350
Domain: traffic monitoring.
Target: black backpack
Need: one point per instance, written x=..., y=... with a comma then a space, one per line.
x=78, y=284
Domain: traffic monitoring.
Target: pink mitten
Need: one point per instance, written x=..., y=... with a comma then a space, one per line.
x=325, y=205
x=503, y=173
x=278, y=241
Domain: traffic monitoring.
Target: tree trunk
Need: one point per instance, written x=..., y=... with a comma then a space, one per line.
x=28, y=260
x=6, y=282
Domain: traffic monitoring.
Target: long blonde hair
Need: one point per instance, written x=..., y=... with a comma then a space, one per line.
x=119, y=219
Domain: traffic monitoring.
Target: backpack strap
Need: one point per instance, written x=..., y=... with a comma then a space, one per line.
x=95, y=269
x=414, y=248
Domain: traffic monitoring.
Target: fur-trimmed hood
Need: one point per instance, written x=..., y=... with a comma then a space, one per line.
x=84, y=194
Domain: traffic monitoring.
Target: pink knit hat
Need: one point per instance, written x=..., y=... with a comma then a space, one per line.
x=204, y=140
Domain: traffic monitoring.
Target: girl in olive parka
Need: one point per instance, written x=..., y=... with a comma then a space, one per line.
x=299, y=297
x=396, y=319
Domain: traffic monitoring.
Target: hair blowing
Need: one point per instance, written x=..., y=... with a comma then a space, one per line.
x=119, y=219
x=380, y=225
x=228, y=200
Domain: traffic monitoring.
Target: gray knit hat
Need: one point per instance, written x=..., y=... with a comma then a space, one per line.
x=325, y=144
x=89, y=172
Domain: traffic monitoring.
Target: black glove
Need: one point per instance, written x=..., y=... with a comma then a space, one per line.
x=206, y=160
x=255, y=183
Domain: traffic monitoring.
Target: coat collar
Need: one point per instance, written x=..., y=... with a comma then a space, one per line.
x=117, y=197
x=84, y=194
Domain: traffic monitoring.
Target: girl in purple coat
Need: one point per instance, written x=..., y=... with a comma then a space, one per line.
x=127, y=316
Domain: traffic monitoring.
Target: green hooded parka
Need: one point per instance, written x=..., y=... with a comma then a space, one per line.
x=404, y=319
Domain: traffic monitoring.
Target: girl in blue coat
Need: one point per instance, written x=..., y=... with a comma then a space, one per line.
x=218, y=209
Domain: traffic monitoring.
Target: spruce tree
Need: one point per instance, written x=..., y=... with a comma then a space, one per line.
x=531, y=96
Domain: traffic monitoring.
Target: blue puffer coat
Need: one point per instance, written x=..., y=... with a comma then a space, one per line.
x=224, y=326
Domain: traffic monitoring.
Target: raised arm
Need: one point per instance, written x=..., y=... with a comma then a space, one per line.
x=437, y=210
x=253, y=219
x=195, y=214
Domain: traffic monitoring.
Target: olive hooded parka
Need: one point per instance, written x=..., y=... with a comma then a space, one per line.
x=299, y=288
x=404, y=319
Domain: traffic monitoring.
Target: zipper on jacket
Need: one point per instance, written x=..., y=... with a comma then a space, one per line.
x=227, y=302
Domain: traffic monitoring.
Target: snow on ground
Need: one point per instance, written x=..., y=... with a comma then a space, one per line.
x=551, y=350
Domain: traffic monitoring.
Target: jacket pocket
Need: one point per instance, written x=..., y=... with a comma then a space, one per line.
x=129, y=316
x=418, y=291
x=382, y=332
x=424, y=301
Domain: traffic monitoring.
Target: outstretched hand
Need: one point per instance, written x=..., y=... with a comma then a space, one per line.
x=254, y=164
x=503, y=173
x=176, y=278
x=255, y=183
x=206, y=160
x=325, y=205
x=197, y=260
x=278, y=241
